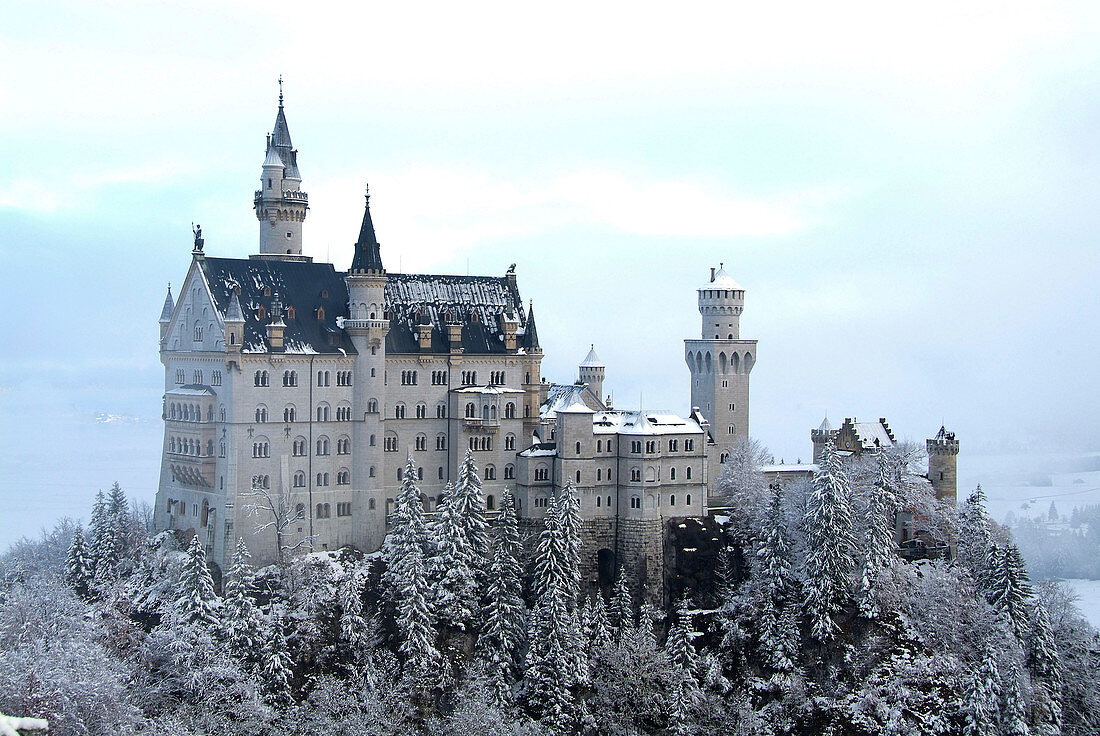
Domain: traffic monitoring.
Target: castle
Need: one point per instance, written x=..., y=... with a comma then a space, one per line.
x=294, y=393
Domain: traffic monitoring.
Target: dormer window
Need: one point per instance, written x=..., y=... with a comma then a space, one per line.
x=267, y=291
x=320, y=313
x=261, y=313
x=324, y=293
x=290, y=312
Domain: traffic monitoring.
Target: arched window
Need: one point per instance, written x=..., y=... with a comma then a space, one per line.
x=599, y=500
x=578, y=476
x=578, y=448
x=322, y=445
x=509, y=441
x=441, y=442
x=300, y=511
x=421, y=442
x=299, y=479
x=510, y=410
x=490, y=472
x=471, y=411
x=372, y=406
x=688, y=472
x=509, y=471
x=672, y=500
x=288, y=414
x=635, y=502
x=672, y=473
x=261, y=414
x=421, y=411
x=490, y=503
x=599, y=476
x=485, y=413
x=688, y=501
x=399, y=411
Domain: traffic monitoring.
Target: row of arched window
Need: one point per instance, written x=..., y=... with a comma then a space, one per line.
x=439, y=378
x=733, y=363
x=189, y=412
x=469, y=378
x=409, y=378
x=496, y=378
x=481, y=444
x=191, y=446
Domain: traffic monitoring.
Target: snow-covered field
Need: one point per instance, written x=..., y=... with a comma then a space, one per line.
x=1088, y=592
x=1025, y=485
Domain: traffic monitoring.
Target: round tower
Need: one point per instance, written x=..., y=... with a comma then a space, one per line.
x=943, y=454
x=591, y=372
x=280, y=203
x=720, y=304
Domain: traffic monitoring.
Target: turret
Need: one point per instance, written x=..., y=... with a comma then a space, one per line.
x=943, y=454
x=720, y=304
x=280, y=204
x=822, y=436
x=276, y=328
x=234, y=325
x=591, y=371
x=166, y=315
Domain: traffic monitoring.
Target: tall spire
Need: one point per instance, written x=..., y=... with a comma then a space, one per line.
x=368, y=256
x=166, y=311
x=530, y=334
x=281, y=205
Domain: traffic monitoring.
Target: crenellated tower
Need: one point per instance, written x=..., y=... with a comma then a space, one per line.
x=943, y=455
x=720, y=363
x=591, y=371
x=280, y=203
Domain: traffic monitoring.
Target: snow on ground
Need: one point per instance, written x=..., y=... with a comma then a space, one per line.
x=1088, y=592
x=1026, y=484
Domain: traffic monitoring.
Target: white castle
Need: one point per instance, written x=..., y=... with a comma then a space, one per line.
x=313, y=386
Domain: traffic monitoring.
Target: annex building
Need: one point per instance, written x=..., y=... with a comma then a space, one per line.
x=295, y=391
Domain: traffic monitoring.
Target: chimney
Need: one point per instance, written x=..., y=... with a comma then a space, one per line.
x=712, y=274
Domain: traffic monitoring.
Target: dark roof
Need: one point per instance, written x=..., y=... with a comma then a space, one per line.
x=368, y=257
x=481, y=304
x=530, y=334
x=280, y=139
x=302, y=285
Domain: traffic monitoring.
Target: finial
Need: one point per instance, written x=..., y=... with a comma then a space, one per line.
x=366, y=191
x=280, y=90
x=721, y=265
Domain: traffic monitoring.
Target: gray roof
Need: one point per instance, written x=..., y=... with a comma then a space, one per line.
x=368, y=256
x=592, y=359
x=166, y=311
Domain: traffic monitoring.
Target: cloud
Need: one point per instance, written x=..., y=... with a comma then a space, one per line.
x=432, y=214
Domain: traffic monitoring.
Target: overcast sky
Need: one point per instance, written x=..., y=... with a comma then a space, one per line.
x=908, y=195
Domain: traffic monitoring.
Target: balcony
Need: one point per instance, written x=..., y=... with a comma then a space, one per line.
x=481, y=425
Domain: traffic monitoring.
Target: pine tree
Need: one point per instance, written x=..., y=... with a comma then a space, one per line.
x=774, y=587
x=1013, y=714
x=621, y=611
x=504, y=613
x=879, y=548
x=408, y=532
x=276, y=666
x=242, y=625
x=982, y=699
x=79, y=570
x=1009, y=589
x=196, y=601
x=829, y=545
x=679, y=650
x=353, y=627
x=453, y=568
x=118, y=523
x=99, y=545
x=1046, y=671
x=975, y=540
x=569, y=509
x=471, y=510
x=597, y=627
x=551, y=667
x=415, y=623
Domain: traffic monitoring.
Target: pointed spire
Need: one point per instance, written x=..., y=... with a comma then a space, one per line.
x=592, y=359
x=169, y=305
x=530, y=334
x=368, y=256
x=281, y=135
x=825, y=426
x=234, y=313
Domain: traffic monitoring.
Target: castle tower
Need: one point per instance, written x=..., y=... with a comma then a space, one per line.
x=720, y=363
x=943, y=454
x=280, y=203
x=821, y=436
x=368, y=327
x=591, y=371
x=166, y=316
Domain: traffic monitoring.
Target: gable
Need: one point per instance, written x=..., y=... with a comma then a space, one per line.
x=196, y=323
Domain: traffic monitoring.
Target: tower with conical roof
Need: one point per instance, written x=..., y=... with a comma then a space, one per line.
x=720, y=363
x=280, y=203
x=591, y=371
x=367, y=326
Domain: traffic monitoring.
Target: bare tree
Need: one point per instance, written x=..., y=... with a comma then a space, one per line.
x=277, y=511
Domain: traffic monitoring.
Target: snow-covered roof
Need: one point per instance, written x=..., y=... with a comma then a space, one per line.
x=545, y=449
x=647, y=422
x=273, y=158
x=191, y=389
x=560, y=397
x=592, y=359
x=722, y=280
x=825, y=426
x=494, y=390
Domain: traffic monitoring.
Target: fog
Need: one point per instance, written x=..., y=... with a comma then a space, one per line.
x=908, y=197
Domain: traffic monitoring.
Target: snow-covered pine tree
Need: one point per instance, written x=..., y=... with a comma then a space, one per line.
x=276, y=665
x=1013, y=713
x=453, y=568
x=830, y=545
x=621, y=610
x=550, y=667
x=504, y=614
x=118, y=522
x=99, y=544
x=975, y=541
x=879, y=548
x=242, y=624
x=1046, y=672
x=353, y=626
x=597, y=628
x=679, y=649
x=569, y=509
x=982, y=699
x=196, y=602
x=1009, y=590
x=774, y=586
x=471, y=510
x=415, y=625
x=79, y=569
x=408, y=531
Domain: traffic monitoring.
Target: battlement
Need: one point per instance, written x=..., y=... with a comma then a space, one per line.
x=944, y=443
